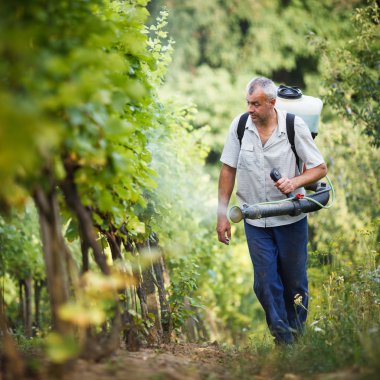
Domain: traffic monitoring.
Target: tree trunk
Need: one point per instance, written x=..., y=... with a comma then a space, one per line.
x=149, y=290
x=202, y=330
x=38, y=284
x=28, y=307
x=190, y=327
x=85, y=260
x=155, y=333
x=12, y=366
x=131, y=332
x=21, y=309
x=136, y=274
x=104, y=344
x=115, y=245
x=83, y=214
x=55, y=251
x=132, y=291
x=140, y=290
x=166, y=320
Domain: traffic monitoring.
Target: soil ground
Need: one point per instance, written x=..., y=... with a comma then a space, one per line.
x=184, y=361
x=187, y=362
x=168, y=362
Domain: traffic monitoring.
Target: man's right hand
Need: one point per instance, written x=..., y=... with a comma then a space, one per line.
x=223, y=228
x=226, y=185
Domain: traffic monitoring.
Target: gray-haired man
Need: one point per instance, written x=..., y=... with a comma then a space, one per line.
x=277, y=245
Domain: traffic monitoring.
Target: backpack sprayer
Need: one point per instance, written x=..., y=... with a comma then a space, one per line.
x=293, y=205
x=309, y=109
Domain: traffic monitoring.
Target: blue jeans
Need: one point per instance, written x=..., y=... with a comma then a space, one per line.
x=279, y=257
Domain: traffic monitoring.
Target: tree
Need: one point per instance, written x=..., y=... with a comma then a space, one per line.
x=21, y=259
x=220, y=46
x=351, y=72
x=87, y=85
x=91, y=83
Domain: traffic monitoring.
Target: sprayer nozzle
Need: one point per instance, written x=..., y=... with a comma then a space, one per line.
x=236, y=214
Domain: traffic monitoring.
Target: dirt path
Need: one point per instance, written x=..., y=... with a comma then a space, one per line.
x=190, y=362
x=171, y=362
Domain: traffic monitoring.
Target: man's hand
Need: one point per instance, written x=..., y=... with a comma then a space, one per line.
x=286, y=185
x=226, y=185
x=223, y=228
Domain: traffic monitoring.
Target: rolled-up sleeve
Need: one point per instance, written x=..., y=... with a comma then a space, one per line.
x=231, y=150
x=305, y=145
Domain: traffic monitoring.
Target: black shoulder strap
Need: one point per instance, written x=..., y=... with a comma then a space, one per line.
x=241, y=126
x=290, y=132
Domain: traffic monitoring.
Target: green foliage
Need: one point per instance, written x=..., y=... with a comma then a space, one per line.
x=183, y=215
x=343, y=328
x=228, y=293
x=249, y=35
x=20, y=246
x=210, y=89
x=179, y=203
x=346, y=324
x=80, y=87
x=87, y=84
x=348, y=154
x=95, y=296
x=213, y=60
x=179, y=207
x=182, y=288
x=60, y=348
x=273, y=41
x=351, y=72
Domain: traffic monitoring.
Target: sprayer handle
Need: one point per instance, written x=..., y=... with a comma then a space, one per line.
x=276, y=175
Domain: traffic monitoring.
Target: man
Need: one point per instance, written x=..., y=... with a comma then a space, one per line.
x=277, y=245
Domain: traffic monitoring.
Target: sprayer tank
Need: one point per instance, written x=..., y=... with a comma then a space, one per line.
x=304, y=106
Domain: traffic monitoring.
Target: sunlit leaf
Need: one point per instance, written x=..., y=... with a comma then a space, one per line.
x=81, y=315
x=61, y=348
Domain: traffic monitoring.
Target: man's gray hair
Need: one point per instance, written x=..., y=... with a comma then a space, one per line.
x=269, y=88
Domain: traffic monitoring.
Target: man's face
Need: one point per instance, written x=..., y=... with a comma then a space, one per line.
x=259, y=106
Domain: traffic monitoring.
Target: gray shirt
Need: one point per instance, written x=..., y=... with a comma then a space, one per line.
x=254, y=163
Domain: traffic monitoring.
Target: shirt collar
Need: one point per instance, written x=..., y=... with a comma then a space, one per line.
x=281, y=122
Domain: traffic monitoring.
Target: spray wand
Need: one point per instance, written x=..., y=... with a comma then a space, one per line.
x=293, y=205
